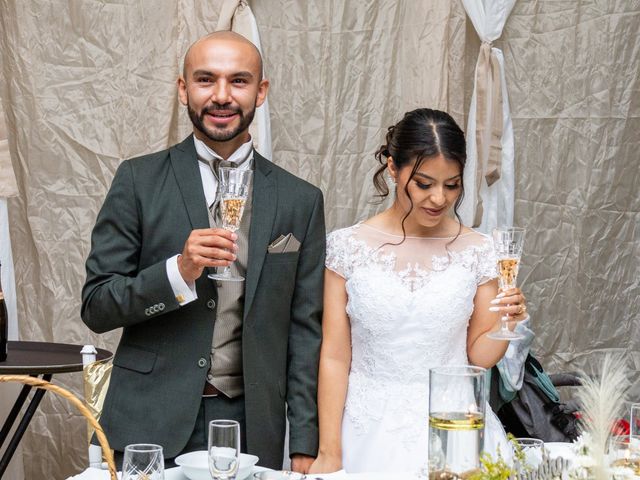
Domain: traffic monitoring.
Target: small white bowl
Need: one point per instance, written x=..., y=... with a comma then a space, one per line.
x=195, y=465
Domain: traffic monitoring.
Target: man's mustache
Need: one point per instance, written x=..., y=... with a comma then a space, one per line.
x=216, y=106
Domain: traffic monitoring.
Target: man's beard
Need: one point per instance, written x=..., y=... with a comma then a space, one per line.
x=220, y=135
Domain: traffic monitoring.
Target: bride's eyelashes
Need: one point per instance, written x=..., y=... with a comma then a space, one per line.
x=425, y=186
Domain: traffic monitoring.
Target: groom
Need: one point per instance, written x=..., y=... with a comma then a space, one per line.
x=193, y=349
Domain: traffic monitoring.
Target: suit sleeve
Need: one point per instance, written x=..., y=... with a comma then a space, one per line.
x=117, y=292
x=305, y=336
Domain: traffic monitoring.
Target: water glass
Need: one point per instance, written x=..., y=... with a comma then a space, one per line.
x=457, y=403
x=143, y=461
x=224, y=449
x=529, y=454
x=634, y=421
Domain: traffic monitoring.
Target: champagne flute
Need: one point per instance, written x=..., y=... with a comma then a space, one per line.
x=224, y=449
x=234, y=189
x=143, y=461
x=507, y=245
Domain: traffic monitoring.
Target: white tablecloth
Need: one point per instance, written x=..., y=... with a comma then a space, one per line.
x=555, y=450
x=176, y=474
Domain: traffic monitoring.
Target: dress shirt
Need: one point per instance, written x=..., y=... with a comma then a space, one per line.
x=186, y=292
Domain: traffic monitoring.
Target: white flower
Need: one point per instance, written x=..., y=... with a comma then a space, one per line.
x=584, y=461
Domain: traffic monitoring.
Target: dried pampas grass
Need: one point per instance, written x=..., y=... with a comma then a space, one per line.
x=602, y=399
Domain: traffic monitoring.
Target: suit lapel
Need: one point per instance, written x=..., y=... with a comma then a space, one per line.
x=184, y=161
x=263, y=213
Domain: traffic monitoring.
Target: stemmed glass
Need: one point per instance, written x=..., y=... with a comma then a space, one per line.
x=531, y=454
x=234, y=189
x=507, y=244
x=224, y=449
x=143, y=461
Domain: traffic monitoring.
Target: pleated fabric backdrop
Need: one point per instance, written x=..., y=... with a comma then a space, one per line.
x=86, y=85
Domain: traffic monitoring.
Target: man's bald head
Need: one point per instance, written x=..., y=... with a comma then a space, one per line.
x=210, y=40
x=221, y=87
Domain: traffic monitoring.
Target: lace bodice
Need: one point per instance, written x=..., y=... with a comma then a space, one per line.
x=409, y=304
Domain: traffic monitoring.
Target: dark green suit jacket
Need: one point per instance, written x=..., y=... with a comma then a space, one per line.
x=162, y=359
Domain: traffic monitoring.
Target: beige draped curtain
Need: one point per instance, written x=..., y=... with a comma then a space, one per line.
x=94, y=84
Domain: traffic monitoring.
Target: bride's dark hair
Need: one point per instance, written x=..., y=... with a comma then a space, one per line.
x=421, y=134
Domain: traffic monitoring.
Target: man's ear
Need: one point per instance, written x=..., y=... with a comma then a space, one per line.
x=182, y=91
x=263, y=89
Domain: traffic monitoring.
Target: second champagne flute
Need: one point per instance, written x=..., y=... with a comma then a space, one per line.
x=224, y=449
x=233, y=192
x=507, y=245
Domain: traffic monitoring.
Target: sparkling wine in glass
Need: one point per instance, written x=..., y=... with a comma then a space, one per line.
x=507, y=245
x=224, y=449
x=234, y=189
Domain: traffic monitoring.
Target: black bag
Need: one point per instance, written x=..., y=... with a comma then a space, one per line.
x=536, y=410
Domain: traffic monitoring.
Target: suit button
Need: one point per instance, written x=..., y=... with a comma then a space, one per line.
x=161, y=306
x=211, y=304
x=202, y=362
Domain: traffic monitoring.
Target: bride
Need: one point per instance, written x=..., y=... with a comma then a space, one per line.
x=406, y=290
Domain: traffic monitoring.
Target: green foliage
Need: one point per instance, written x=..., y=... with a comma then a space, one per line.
x=491, y=469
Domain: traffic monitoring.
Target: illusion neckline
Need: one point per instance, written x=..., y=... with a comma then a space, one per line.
x=414, y=237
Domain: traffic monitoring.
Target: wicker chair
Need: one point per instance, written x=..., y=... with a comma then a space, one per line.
x=43, y=384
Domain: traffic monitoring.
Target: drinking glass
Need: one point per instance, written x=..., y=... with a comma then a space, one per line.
x=624, y=453
x=233, y=188
x=224, y=449
x=457, y=402
x=634, y=421
x=143, y=461
x=529, y=454
x=507, y=244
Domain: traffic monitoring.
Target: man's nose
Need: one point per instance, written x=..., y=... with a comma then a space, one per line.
x=221, y=93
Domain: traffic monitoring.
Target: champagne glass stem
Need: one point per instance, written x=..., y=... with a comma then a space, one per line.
x=226, y=271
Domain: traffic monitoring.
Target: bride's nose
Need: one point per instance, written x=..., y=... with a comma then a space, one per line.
x=437, y=197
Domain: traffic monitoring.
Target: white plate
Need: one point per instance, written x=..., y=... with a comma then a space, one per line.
x=195, y=465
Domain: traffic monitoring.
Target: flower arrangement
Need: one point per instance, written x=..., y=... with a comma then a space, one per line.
x=602, y=399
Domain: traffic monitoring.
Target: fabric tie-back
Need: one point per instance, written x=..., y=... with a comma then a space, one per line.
x=8, y=185
x=236, y=15
x=489, y=122
x=490, y=169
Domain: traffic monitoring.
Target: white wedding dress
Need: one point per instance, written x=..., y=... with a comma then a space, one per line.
x=409, y=306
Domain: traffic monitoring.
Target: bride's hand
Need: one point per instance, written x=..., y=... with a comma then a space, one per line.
x=510, y=302
x=326, y=464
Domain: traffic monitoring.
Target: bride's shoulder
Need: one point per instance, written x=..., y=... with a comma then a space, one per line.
x=473, y=238
x=342, y=234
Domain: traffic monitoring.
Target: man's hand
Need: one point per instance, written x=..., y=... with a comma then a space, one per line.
x=301, y=463
x=207, y=247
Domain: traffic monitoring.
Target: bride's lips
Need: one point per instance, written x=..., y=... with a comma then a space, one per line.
x=222, y=117
x=434, y=212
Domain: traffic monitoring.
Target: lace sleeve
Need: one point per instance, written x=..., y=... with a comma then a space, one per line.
x=338, y=258
x=486, y=262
